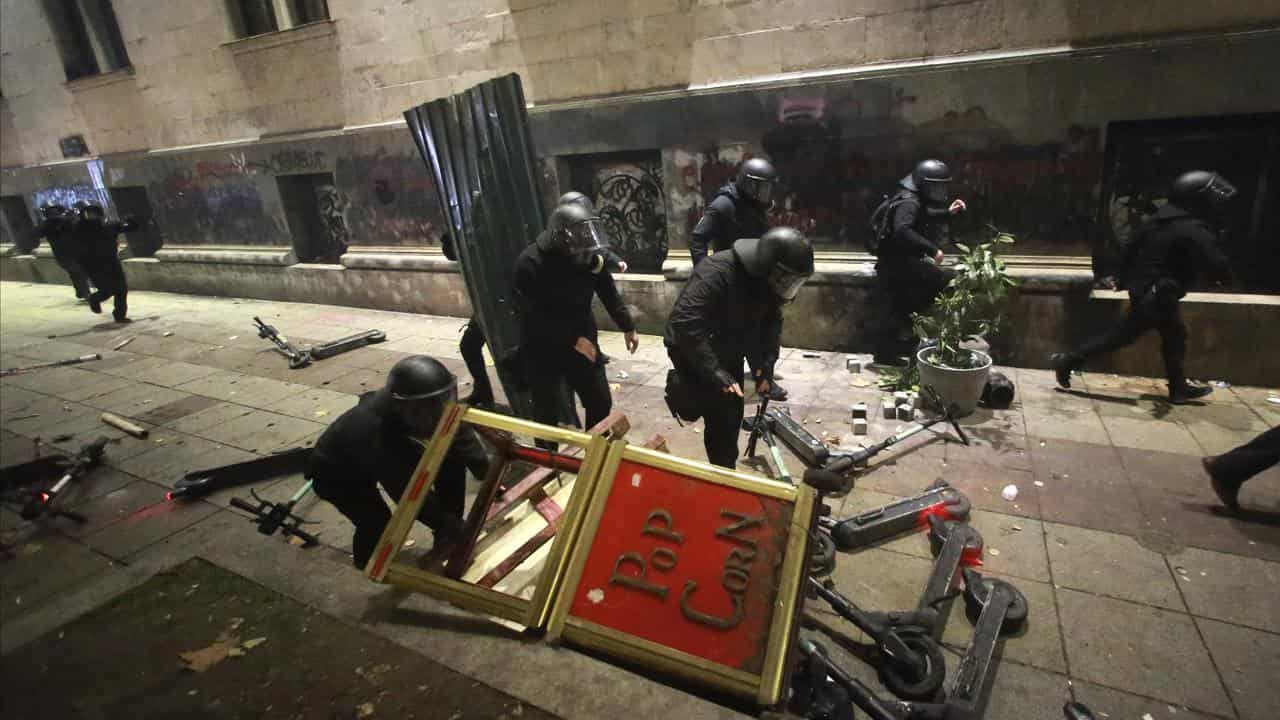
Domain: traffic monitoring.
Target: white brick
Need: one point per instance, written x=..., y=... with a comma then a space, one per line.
x=859, y=411
x=832, y=44
x=860, y=427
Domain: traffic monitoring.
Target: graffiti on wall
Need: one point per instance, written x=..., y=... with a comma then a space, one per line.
x=391, y=200
x=333, y=218
x=215, y=210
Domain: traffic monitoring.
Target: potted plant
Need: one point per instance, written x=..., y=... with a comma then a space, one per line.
x=968, y=309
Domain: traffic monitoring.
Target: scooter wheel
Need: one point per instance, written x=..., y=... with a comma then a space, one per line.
x=975, y=599
x=916, y=683
x=822, y=555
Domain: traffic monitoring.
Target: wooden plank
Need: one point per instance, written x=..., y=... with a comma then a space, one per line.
x=461, y=557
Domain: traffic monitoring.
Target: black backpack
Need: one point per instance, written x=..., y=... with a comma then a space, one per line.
x=880, y=227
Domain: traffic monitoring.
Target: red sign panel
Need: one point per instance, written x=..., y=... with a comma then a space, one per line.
x=686, y=563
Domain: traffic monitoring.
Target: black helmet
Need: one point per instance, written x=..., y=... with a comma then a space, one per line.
x=91, y=211
x=1200, y=190
x=755, y=180
x=573, y=230
x=930, y=178
x=420, y=386
x=783, y=257
x=52, y=209
x=577, y=198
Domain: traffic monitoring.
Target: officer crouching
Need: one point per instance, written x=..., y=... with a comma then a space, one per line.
x=728, y=312
x=380, y=441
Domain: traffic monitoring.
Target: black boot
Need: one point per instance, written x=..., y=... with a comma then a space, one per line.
x=1227, y=492
x=1063, y=364
x=1185, y=393
x=95, y=305
x=777, y=392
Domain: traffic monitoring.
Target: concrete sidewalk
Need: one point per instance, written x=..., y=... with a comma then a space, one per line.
x=1143, y=600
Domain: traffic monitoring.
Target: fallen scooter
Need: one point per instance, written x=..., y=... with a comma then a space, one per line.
x=199, y=483
x=34, y=503
x=271, y=517
x=302, y=357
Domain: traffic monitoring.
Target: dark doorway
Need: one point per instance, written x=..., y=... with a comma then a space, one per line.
x=626, y=188
x=132, y=201
x=15, y=223
x=316, y=213
x=1142, y=157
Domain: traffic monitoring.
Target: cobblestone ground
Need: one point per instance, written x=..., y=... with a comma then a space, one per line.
x=1144, y=601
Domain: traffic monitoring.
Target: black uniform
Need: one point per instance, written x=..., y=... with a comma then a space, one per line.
x=554, y=299
x=905, y=273
x=472, y=343
x=1232, y=469
x=98, y=239
x=728, y=217
x=66, y=252
x=721, y=318
x=1160, y=264
x=369, y=445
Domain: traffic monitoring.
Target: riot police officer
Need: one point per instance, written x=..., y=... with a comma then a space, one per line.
x=729, y=312
x=380, y=441
x=98, y=237
x=1160, y=264
x=737, y=210
x=55, y=225
x=909, y=270
x=555, y=281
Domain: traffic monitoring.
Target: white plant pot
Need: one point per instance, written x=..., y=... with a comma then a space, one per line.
x=961, y=388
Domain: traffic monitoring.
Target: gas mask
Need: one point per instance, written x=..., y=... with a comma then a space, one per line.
x=785, y=283
x=584, y=243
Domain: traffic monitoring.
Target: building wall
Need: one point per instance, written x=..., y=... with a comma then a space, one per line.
x=192, y=84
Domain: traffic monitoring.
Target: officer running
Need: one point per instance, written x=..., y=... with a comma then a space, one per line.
x=729, y=312
x=909, y=258
x=380, y=441
x=555, y=281
x=1162, y=261
x=55, y=226
x=737, y=211
x=97, y=237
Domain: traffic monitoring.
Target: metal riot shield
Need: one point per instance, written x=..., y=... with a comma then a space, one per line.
x=479, y=149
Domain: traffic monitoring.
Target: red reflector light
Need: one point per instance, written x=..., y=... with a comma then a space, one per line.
x=44, y=497
x=168, y=496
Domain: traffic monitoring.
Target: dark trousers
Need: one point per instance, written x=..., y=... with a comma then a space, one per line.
x=363, y=505
x=905, y=286
x=471, y=347
x=721, y=414
x=1236, y=466
x=75, y=270
x=550, y=372
x=108, y=276
x=1147, y=311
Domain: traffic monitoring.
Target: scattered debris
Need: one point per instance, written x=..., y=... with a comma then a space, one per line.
x=1220, y=383
x=993, y=552
x=61, y=438
x=205, y=658
x=296, y=541
x=364, y=710
x=623, y=374
x=167, y=333
x=1273, y=399
x=859, y=383
x=1041, y=443
x=615, y=387
x=1038, y=483
x=120, y=423
x=811, y=355
x=253, y=643
x=1010, y=492
x=1180, y=570
x=233, y=337
x=124, y=342
x=1147, y=716
x=321, y=413
x=697, y=430
x=409, y=543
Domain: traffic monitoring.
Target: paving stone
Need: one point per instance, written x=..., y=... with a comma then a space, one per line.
x=1214, y=439
x=1239, y=654
x=1019, y=692
x=45, y=416
x=146, y=527
x=166, y=461
x=217, y=414
x=239, y=388
x=1171, y=473
x=1140, y=649
x=1198, y=523
x=317, y=405
x=1150, y=435
x=982, y=484
x=178, y=409
x=1226, y=587
x=1038, y=643
x=42, y=567
x=96, y=385
x=1108, y=564
x=357, y=381
x=115, y=506
x=228, y=358
x=99, y=482
x=1021, y=552
x=119, y=363
x=262, y=431
x=1105, y=702
x=173, y=373
x=1084, y=427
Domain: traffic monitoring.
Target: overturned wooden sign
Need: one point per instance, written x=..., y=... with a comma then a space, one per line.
x=671, y=564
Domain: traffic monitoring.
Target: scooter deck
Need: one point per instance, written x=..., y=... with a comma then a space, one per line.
x=902, y=516
x=811, y=451
x=202, y=482
x=350, y=342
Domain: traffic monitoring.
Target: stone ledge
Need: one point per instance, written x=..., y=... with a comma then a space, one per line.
x=229, y=256
x=89, y=82
x=298, y=33
x=1206, y=298
x=417, y=261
